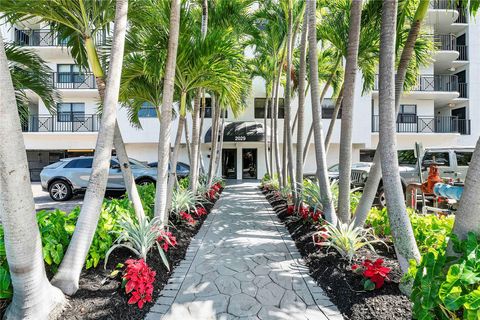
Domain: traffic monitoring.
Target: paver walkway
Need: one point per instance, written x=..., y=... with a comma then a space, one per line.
x=242, y=265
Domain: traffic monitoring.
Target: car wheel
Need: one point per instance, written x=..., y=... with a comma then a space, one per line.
x=60, y=191
x=144, y=181
x=381, y=198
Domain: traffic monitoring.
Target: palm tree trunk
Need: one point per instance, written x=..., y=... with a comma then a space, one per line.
x=214, y=135
x=301, y=104
x=220, y=145
x=187, y=142
x=331, y=125
x=33, y=296
x=275, y=122
x=288, y=128
x=166, y=116
x=272, y=128
x=321, y=160
x=345, y=161
x=200, y=131
x=128, y=179
x=265, y=141
x=375, y=173
x=195, y=146
x=404, y=240
x=69, y=271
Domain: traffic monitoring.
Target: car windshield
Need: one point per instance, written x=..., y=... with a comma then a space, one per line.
x=406, y=157
x=333, y=168
x=137, y=164
x=55, y=165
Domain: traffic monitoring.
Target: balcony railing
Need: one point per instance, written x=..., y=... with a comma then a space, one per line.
x=463, y=50
x=421, y=124
x=69, y=80
x=450, y=5
x=62, y=123
x=47, y=38
x=463, y=89
x=445, y=41
x=437, y=82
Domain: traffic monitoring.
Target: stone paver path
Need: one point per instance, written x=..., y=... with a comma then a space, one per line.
x=242, y=265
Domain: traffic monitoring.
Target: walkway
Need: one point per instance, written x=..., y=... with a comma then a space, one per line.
x=242, y=265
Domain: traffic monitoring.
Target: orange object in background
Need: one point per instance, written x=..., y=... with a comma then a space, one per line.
x=433, y=178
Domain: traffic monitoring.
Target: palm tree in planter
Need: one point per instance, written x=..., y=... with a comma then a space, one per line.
x=33, y=295
x=81, y=23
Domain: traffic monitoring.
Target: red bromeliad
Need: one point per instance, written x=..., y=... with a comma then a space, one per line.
x=290, y=210
x=166, y=239
x=139, y=281
x=200, y=211
x=374, y=273
x=304, y=212
x=187, y=217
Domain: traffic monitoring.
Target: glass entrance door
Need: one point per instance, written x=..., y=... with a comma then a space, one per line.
x=249, y=163
x=229, y=163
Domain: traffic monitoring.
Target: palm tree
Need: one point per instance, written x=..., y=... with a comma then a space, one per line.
x=317, y=119
x=404, y=240
x=17, y=212
x=166, y=114
x=80, y=21
x=345, y=161
x=412, y=49
x=29, y=72
x=69, y=271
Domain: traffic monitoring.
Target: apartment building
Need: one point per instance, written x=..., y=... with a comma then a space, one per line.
x=439, y=111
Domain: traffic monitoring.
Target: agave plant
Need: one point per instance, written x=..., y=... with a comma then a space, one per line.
x=140, y=237
x=184, y=200
x=345, y=238
x=311, y=195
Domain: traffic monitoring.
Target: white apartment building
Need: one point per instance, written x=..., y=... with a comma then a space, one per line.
x=440, y=111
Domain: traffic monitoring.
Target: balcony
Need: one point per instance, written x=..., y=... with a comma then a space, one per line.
x=47, y=38
x=430, y=83
x=62, y=123
x=463, y=51
x=463, y=89
x=450, y=5
x=67, y=80
x=423, y=124
x=445, y=42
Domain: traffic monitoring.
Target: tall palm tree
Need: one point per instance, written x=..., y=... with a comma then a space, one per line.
x=69, y=271
x=317, y=119
x=166, y=114
x=30, y=72
x=345, y=161
x=405, y=245
x=80, y=22
x=33, y=296
x=414, y=54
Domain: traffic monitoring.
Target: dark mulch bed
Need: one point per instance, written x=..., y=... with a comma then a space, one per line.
x=101, y=297
x=342, y=286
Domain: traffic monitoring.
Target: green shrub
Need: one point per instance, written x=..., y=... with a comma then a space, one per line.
x=448, y=287
x=184, y=183
x=6, y=289
x=430, y=230
x=147, y=195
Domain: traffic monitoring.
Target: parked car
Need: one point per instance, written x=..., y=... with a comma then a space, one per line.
x=70, y=176
x=183, y=169
x=452, y=163
x=333, y=171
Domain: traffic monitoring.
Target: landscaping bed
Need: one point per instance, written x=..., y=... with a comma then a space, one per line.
x=102, y=297
x=334, y=273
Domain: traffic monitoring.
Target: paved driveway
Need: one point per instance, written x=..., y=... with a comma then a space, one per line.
x=43, y=200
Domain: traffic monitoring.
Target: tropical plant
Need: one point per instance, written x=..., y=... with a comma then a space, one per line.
x=140, y=237
x=139, y=280
x=345, y=239
x=6, y=290
x=374, y=273
x=184, y=200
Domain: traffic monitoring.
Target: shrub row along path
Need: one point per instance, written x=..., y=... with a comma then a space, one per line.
x=242, y=265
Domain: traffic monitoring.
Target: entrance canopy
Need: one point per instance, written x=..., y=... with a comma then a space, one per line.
x=241, y=131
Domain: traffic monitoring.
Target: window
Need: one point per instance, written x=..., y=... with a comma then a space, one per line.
x=328, y=105
x=259, y=104
x=407, y=113
x=442, y=158
x=463, y=158
x=406, y=157
x=69, y=73
x=80, y=164
x=208, y=107
x=147, y=110
x=70, y=112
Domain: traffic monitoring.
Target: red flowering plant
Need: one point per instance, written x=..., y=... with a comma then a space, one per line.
x=200, y=211
x=166, y=239
x=374, y=273
x=138, y=279
x=290, y=209
x=304, y=212
x=187, y=217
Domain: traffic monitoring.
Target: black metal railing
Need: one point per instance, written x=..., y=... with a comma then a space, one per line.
x=62, y=123
x=423, y=124
x=450, y=5
x=437, y=82
x=463, y=89
x=463, y=51
x=47, y=38
x=445, y=41
x=73, y=80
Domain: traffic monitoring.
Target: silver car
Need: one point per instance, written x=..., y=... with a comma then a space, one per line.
x=70, y=176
